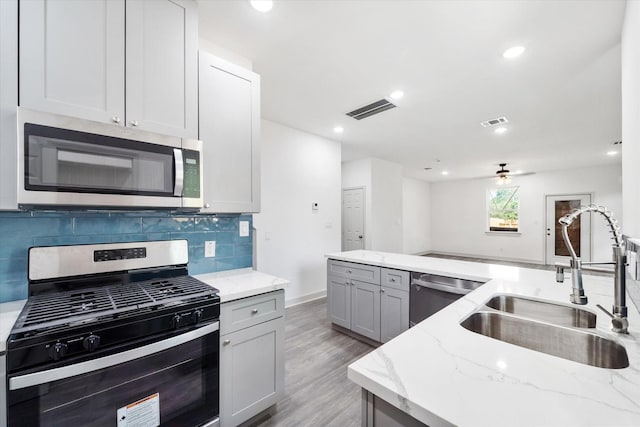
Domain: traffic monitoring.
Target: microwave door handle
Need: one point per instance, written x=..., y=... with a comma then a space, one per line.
x=178, y=163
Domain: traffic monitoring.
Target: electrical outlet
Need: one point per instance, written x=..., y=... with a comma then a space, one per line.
x=244, y=228
x=209, y=248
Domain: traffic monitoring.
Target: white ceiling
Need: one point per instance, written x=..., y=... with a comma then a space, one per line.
x=321, y=59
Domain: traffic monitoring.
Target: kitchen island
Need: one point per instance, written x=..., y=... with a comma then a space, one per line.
x=441, y=374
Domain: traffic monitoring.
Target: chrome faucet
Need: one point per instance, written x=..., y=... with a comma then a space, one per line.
x=619, y=311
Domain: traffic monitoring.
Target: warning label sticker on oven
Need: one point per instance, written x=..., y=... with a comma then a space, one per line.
x=143, y=413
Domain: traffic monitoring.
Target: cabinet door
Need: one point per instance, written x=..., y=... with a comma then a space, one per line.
x=394, y=312
x=72, y=58
x=251, y=371
x=229, y=100
x=8, y=102
x=365, y=309
x=339, y=301
x=162, y=66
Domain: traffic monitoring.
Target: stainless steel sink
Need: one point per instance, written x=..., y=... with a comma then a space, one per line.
x=578, y=345
x=557, y=314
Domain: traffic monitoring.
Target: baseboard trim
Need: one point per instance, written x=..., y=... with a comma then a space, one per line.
x=305, y=298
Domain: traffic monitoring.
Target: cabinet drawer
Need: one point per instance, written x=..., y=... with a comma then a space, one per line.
x=246, y=312
x=396, y=279
x=350, y=270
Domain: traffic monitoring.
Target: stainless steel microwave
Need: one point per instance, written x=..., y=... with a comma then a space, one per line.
x=69, y=162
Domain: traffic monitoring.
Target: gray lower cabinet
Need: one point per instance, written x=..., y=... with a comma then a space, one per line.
x=339, y=301
x=251, y=356
x=365, y=309
x=368, y=300
x=377, y=412
x=394, y=313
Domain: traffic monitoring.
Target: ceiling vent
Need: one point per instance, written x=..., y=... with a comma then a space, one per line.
x=371, y=109
x=494, y=122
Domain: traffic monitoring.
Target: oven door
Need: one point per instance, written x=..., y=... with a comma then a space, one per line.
x=173, y=382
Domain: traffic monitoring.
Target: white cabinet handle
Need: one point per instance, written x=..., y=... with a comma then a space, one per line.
x=115, y=119
x=254, y=311
x=207, y=205
x=381, y=291
x=226, y=342
x=134, y=123
x=393, y=280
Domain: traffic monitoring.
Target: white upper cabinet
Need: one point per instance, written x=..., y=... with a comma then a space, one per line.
x=72, y=58
x=162, y=66
x=229, y=98
x=75, y=60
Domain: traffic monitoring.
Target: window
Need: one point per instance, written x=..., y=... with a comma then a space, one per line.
x=503, y=209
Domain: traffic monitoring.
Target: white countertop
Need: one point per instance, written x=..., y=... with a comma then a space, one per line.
x=233, y=284
x=443, y=374
x=9, y=312
x=242, y=283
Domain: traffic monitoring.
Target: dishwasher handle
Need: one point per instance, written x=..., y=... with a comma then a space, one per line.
x=440, y=287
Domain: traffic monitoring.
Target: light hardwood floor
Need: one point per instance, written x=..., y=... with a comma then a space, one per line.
x=317, y=390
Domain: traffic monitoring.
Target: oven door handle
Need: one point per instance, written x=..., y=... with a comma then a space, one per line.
x=37, y=378
x=439, y=287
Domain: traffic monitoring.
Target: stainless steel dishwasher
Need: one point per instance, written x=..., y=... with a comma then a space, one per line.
x=431, y=293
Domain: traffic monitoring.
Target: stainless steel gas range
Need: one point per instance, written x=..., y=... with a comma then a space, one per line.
x=114, y=335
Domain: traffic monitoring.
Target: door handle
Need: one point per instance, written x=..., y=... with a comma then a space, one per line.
x=178, y=164
x=359, y=237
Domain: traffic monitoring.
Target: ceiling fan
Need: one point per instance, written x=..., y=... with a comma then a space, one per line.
x=503, y=175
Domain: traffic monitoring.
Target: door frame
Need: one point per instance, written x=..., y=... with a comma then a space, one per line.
x=544, y=228
x=364, y=215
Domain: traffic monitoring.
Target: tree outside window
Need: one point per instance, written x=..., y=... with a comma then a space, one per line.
x=503, y=209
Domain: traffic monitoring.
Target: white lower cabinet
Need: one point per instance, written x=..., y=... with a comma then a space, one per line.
x=251, y=356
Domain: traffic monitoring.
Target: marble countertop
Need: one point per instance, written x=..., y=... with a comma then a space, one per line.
x=242, y=283
x=442, y=374
x=9, y=312
x=233, y=284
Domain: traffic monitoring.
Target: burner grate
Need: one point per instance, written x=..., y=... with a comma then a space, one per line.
x=51, y=310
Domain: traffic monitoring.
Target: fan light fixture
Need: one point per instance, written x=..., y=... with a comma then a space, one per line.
x=503, y=175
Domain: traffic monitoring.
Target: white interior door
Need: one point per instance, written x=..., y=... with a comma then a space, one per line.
x=579, y=231
x=352, y=219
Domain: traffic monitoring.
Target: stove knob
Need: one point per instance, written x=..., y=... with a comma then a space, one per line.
x=91, y=342
x=196, y=316
x=58, y=351
x=175, y=322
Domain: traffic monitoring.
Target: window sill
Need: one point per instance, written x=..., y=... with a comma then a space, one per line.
x=504, y=233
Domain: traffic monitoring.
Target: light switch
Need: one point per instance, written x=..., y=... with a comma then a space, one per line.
x=209, y=248
x=244, y=228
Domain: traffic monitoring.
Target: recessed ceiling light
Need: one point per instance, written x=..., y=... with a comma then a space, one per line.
x=500, y=130
x=396, y=94
x=338, y=129
x=513, y=52
x=611, y=153
x=445, y=172
x=262, y=5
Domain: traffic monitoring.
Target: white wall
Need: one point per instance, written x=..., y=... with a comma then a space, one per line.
x=386, y=204
x=297, y=169
x=224, y=53
x=416, y=216
x=458, y=213
x=382, y=181
x=631, y=118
